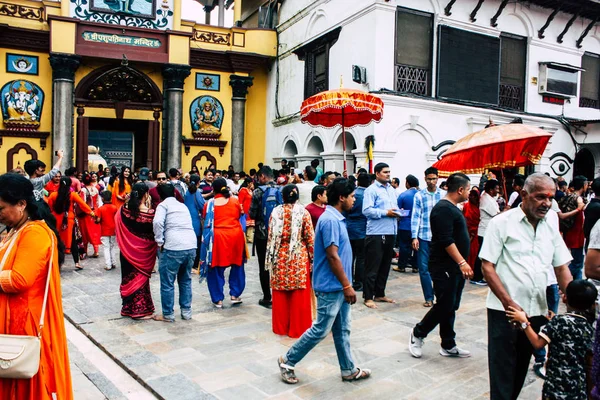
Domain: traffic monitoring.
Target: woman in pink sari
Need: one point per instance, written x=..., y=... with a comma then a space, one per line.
x=135, y=237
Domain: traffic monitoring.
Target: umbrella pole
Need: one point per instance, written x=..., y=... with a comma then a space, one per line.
x=344, y=140
x=504, y=185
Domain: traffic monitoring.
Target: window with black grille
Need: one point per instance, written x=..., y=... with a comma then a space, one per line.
x=316, y=62
x=414, y=42
x=468, y=66
x=590, y=81
x=513, y=59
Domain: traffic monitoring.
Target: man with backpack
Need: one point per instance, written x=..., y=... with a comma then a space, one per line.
x=264, y=199
x=572, y=227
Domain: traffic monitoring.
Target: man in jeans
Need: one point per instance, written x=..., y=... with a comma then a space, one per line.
x=265, y=178
x=424, y=202
x=448, y=268
x=380, y=208
x=332, y=274
x=405, y=203
x=357, y=231
x=176, y=239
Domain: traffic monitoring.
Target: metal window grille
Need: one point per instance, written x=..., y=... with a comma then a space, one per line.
x=511, y=96
x=412, y=80
x=588, y=103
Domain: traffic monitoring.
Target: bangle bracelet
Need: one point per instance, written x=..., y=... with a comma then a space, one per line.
x=346, y=287
x=463, y=262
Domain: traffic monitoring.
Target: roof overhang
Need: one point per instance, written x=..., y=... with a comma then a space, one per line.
x=589, y=9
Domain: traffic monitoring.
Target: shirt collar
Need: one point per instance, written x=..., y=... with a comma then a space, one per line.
x=335, y=213
x=382, y=185
x=523, y=216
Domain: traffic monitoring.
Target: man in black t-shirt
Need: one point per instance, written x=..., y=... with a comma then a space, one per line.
x=448, y=268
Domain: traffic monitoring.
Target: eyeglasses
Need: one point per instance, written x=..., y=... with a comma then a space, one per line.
x=161, y=179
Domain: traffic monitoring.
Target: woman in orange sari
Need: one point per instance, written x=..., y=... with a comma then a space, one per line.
x=22, y=285
x=62, y=205
x=471, y=213
x=121, y=188
x=245, y=198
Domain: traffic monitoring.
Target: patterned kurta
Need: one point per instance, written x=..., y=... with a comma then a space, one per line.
x=289, y=247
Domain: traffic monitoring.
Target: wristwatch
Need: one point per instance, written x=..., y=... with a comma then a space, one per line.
x=524, y=325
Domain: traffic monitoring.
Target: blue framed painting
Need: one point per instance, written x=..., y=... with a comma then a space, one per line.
x=206, y=114
x=21, y=64
x=208, y=82
x=22, y=103
x=136, y=8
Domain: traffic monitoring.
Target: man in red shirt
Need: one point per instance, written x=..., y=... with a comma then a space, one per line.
x=574, y=237
x=105, y=216
x=161, y=179
x=318, y=205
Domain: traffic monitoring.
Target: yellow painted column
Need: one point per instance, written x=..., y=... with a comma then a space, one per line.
x=176, y=15
x=237, y=11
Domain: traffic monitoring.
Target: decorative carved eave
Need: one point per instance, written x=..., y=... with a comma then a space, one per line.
x=205, y=141
x=25, y=134
x=22, y=11
x=24, y=39
x=226, y=61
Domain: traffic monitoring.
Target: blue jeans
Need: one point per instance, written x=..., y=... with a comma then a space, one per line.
x=576, y=265
x=406, y=257
x=176, y=264
x=423, y=262
x=333, y=315
x=215, y=279
x=553, y=299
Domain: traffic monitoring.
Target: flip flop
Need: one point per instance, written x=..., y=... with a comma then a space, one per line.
x=236, y=301
x=360, y=375
x=218, y=305
x=287, y=372
x=78, y=267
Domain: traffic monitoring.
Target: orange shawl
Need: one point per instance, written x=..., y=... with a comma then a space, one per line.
x=23, y=282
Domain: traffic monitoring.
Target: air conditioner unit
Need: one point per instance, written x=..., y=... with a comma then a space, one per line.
x=558, y=80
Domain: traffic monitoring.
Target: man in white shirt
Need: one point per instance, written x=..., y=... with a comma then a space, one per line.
x=305, y=188
x=488, y=209
x=515, y=197
x=177, y=242
x=519, y=246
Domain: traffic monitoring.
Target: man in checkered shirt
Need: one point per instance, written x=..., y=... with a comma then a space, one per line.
x=421, y=229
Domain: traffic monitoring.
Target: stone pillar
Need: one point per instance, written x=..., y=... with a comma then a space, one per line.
x=173, y=77
x=63, y=79
x=221, y=13
x=239, y=85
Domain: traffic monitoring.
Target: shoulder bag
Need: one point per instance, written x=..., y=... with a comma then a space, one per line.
x=20, y=354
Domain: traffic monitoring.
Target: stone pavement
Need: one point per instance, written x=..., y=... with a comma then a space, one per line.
x=231, y=353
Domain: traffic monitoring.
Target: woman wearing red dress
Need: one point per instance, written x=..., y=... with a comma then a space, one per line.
x=90, y=230
x=472, y=215
x=245, y=198
x=223, y=245
x=289, y=259
x=62, y=205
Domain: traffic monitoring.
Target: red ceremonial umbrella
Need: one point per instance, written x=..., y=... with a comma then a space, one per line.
x=499, y=146
x=341, y=107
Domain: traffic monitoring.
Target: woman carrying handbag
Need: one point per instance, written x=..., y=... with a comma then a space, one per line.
x=31, y=313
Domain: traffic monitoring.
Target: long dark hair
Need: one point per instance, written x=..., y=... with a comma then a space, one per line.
x=220, y=187
x=193, y=185
x=122, y=178
x=14, y=188
x=113, y=175
x=64, y=195
x=137, y=192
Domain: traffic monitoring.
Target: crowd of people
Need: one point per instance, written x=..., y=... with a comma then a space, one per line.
x=320, y=237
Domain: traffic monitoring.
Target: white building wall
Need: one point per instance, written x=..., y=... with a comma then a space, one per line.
x=412, y=126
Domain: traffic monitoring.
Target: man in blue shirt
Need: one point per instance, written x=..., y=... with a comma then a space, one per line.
x=420, y=228
x=405, y=204
x=380, y=208
x=357, y=230
x=331, y=281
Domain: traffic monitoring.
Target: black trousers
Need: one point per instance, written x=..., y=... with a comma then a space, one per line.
x=477, y=272
x=358, y=258
x=379, y=251
x=74, y=247
x=509, y=353
x=265, y=279
x=448, y=292
x=198, y=246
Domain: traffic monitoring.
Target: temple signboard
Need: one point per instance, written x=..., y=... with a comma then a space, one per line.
x=114, y=38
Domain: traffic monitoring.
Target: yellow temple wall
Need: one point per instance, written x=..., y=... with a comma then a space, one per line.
x=256, y=121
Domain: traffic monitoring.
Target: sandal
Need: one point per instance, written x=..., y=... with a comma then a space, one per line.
x=360, y=375
x=109, y=268
x=287, y=372
x=236, y=301
x=218, y=305
x=370, y=304
x=95, y=255
x=78, y=267
x=428, y=304
x=384, y=299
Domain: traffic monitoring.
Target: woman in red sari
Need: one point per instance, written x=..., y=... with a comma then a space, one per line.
x=289, y=259
x=90, y=230
x=471, y=213
x=62, y=205
x=27, y=253
x=135, y=237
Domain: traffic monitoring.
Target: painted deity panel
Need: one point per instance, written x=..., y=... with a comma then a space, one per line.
x=22, y=103
x=206, y=113
x=21, y=64
x=139, y=8
x=208, y=82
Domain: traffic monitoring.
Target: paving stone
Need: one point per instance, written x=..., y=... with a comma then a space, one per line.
x=245, y=392
x=179, y=387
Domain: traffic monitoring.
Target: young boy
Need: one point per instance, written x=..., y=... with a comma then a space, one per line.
x=105, y=216
x=569, y=336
